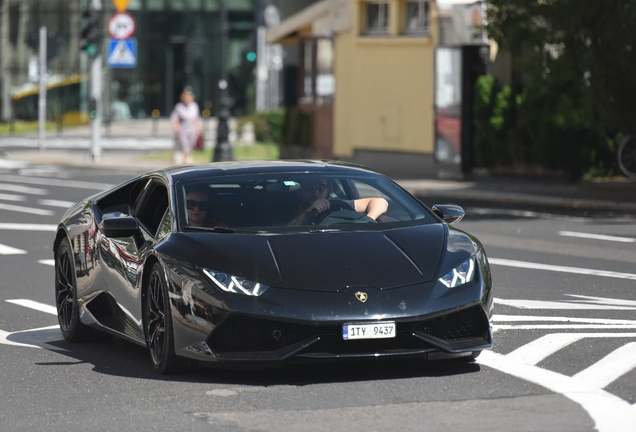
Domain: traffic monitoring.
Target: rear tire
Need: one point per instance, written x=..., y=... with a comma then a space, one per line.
x=627, y=156
x=158, y=323
x=68, y=310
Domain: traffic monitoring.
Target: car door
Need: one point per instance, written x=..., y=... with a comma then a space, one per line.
x=125, y=272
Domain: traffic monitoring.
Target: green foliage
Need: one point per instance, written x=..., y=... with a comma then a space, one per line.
x=539, y=126
x=268, y=125
x=572, y=63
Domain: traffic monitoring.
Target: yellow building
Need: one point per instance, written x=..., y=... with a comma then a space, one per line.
x=366, y=75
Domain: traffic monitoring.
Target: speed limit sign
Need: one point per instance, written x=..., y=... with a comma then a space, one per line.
x=121, y=25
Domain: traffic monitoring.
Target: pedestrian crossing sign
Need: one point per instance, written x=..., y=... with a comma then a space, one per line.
x=122, y=53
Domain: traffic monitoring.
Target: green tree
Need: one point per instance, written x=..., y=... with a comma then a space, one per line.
x=573, y=62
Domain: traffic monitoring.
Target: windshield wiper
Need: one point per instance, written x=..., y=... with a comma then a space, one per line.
x=323, y=230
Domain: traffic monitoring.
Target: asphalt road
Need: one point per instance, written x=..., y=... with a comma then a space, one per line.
x=564, y=355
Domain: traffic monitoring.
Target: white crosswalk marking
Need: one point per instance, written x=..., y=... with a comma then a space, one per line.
x=55, y=182
x=56, y=203
x=22, y=189
x=8, y=250
x=27, y=227
x=34, y=305
x=22, y=209
x=7, y=197
x=610, y=367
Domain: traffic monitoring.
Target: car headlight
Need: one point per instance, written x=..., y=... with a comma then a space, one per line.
x=235, y=284
x=460, y=275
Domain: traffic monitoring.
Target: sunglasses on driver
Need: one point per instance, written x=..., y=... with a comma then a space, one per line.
x=203, y=205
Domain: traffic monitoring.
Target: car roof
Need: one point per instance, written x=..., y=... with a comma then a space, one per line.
x=194, y=171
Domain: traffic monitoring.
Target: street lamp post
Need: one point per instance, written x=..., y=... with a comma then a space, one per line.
x=223, y=150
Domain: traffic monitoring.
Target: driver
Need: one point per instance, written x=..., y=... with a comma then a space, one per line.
x=314, y=195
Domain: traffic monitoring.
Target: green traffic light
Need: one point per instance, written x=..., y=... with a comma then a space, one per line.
x=251, y=56
x=91, y=49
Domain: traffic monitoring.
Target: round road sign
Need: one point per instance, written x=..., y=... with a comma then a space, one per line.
x=121, y=25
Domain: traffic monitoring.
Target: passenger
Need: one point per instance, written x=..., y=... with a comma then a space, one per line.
x=198, y=206
x=314, y=195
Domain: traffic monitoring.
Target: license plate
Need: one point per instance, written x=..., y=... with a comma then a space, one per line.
x=380, y=330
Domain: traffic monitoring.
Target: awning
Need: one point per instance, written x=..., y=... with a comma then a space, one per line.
x=301, y=22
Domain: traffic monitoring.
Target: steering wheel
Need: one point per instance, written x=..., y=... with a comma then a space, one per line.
x=315, y=218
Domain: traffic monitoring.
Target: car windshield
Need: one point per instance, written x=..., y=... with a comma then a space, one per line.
x=306, y=202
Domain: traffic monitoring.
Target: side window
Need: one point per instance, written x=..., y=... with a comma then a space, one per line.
x=122, y=199
x=152, y=207
x=166, y=225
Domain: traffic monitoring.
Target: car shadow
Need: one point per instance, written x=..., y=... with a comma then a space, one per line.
x=117, y=357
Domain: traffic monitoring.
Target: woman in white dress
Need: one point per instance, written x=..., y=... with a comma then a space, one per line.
x=187, y=126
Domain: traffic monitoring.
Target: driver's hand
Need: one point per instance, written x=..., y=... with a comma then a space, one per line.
x=320, y=205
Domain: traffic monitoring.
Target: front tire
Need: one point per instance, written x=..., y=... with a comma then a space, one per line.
x=68, y=310
x=158, y=323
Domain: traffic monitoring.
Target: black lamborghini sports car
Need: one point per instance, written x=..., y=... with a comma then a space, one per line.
x=271, y=262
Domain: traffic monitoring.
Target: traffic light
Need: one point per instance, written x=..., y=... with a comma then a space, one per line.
x=250, y=56
x=91, y=31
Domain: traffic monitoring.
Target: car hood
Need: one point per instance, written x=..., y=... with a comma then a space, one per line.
x=328, y=261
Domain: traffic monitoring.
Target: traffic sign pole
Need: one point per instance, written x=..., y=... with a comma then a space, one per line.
x=42, y=95
x=95, y=107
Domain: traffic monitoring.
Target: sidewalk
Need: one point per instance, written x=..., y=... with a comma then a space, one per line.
x=613, y=196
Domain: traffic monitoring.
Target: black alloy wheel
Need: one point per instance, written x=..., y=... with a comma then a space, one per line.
x=68, y=313
x=158, y=323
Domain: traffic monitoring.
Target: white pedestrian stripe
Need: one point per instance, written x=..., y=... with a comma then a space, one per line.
x=27, y=227
x=35, y=338
x=49, y=262
x=597, y=237
x=562, y=269
x=7, y=197
x=54, y=182
x=56, y=203
x=34, y=305
x=22, y=209
x=22, y=189
x=8, y=250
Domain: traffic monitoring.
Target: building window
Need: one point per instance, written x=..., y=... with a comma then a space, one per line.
x=417, y=17
x=377, y=18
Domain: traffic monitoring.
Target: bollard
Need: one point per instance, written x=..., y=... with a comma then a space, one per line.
x=155, y=121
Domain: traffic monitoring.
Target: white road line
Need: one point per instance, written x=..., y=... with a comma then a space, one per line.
x=561, y=269
x=55, y=182
x=49, y=262
x=22, y=209
x=597, y=236
x=533, y=318
x=27, y=227
x=22, y=189
x=34, y=305
x=8, y=250
x=35, y=338
x=56, y=203
x=610, y=367
x=568, y=305
x=610, y=413
x=7, y=197
x=535, y=351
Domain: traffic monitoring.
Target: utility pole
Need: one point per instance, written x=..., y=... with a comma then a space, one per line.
x=91, y=43
x=42, y=95
x=223, y=150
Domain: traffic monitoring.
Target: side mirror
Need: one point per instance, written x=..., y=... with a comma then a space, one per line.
x=449, y=213
x=125, y=226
